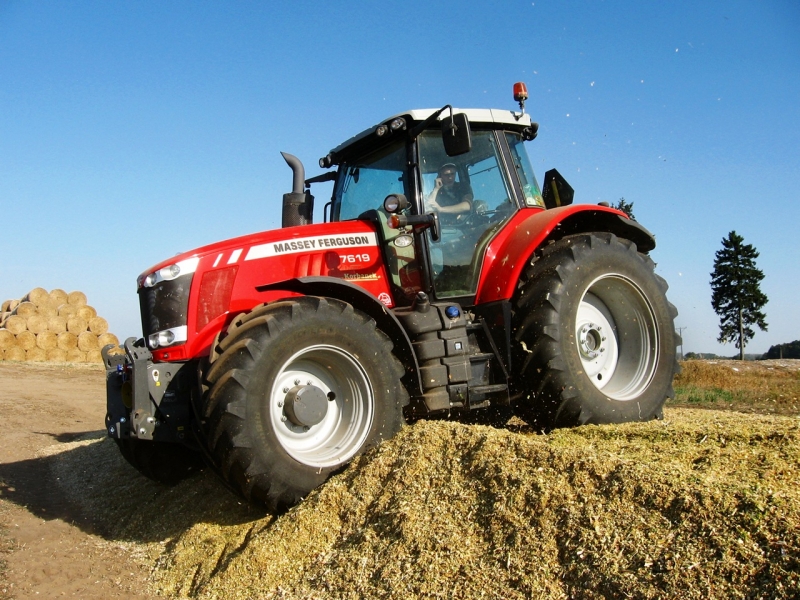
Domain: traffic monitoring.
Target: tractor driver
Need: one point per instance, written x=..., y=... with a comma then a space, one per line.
x=450, y=198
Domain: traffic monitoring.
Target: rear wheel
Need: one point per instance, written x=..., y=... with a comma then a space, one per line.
x=300, y=388
x=594, y=338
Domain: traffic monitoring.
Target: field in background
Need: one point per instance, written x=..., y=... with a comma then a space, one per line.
x=768, y=386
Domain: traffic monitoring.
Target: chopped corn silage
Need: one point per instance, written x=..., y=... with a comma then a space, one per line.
x=704, y=504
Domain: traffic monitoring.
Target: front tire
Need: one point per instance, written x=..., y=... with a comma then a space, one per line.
x=163, y=462
x=300, y=388
x=594, y=338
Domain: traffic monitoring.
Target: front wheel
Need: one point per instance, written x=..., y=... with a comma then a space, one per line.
x=163, y=462
x=300, y=388
x=594, y=335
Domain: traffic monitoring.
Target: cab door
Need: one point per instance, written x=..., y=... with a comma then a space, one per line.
x=482, y=177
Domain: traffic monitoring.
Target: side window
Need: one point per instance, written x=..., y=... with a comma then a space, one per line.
x=530, y=188
x=362, y=186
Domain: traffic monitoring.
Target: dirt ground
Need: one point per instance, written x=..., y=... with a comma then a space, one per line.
x=49, y=546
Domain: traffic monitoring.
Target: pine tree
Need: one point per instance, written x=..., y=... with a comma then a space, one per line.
x=626, y=207
x=736, y=293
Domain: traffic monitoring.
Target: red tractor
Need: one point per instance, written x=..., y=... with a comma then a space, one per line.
x=442, y=281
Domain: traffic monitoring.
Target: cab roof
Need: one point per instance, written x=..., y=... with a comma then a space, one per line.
x=494, y=118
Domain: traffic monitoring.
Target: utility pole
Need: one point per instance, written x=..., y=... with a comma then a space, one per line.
x=680, y=333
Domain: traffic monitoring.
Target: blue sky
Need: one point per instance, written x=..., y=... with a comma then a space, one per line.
x=131, y=131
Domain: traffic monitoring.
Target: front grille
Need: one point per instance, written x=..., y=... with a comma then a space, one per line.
x=165, y=305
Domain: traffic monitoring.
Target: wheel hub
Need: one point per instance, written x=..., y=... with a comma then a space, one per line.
x=591, y=340
x=305, y=405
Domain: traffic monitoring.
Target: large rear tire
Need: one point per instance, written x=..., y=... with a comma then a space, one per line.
x=299, y=389
x=594, y=338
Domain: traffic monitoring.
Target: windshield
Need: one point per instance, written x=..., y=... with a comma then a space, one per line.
x=530, y=188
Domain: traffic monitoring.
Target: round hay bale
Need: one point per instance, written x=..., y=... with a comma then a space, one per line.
x=26, y=340
x=57, y=324
x=38, y=296
x=26, y=309
x=98, y=325
x=58, y=297
x=15, y=353
x=48, y=310
x=87, y=312
x=5, y=306
x=104, y=339
x=76, y=356
x=7, y=339
x=47, y=340
x=3, y=316
x=12, y=304
x=67, y=311
x=35, y=354
x=56, y=355
x=76, y=325
x=94, y=356
x=2, y=355
x=76, y=298
x=37, y=324
x=67, y=341
x=87, y=341
x=16, y=324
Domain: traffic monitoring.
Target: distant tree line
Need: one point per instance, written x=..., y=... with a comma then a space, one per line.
x=790, y=350
x=712, y=356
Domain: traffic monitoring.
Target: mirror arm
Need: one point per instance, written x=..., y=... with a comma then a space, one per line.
x=414, y=133
x=329, y=176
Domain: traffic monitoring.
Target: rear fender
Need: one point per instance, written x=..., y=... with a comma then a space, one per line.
x=362, y=300
x=510, y=252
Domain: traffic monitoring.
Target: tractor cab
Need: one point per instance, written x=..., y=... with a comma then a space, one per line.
x=439, y=186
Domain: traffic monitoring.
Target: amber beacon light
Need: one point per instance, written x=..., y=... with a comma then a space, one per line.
x=521, y=94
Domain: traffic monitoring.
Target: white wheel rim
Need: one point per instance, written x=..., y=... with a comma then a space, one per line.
x=345, y=427
x=617, y=337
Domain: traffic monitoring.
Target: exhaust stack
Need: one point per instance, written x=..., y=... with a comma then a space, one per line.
x=298, y=205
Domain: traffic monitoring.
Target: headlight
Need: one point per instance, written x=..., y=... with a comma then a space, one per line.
x=394, y=203
x=168, y=273
x=167, y=337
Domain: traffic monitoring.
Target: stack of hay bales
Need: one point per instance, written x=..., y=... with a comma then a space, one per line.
x=52, y=327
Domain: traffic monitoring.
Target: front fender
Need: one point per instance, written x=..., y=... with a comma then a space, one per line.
x=333, y=287
x=510, y=251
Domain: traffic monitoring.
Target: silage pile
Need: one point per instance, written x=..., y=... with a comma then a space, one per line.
x=704, y=504
x=53, y=326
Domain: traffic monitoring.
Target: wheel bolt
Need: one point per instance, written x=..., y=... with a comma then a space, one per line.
x=297, y=382
x=285, y=390
x=280, y=404
x=283, y=418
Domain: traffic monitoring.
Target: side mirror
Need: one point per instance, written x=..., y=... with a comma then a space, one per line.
x=556, y=191
x=456, y=134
